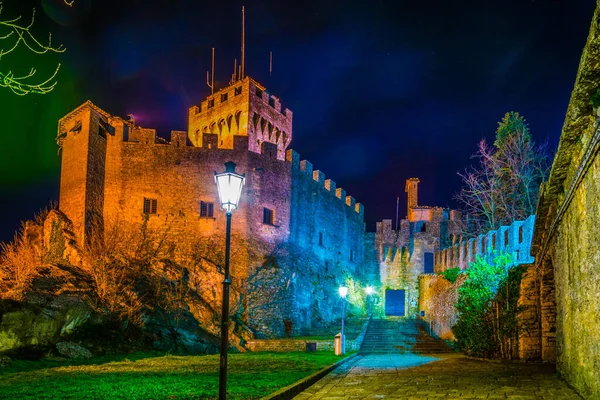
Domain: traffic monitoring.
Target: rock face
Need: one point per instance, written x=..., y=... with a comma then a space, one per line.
x=43, y=318
x=73, y=350
x=565, y=277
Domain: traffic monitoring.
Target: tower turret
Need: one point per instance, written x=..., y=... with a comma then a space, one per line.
x=243, y=108
x=412, y=188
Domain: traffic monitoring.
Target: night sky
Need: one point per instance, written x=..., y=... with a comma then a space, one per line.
x=381, y=91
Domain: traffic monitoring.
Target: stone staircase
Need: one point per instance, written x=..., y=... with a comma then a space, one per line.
x=400, y=336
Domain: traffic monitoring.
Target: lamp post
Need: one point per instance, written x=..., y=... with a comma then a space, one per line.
x=369, y=291
x=229, y=186
x=343, y=291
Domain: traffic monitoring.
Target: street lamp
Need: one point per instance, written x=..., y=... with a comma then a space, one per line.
x=343, y=291
x=369, y=290
x=229, y=186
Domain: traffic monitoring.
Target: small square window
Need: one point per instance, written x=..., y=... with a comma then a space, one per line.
x=268, y=216
x=237, y=91
x=206, y=209
x=150, y=206
x=259, y=92
x=224, y=97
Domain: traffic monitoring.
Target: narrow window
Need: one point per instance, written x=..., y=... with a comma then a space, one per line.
x=206, y=209
x=521, y=234
x=483, y=245
x=101, y=132
x=352, y=255
x=211, y=103
x=272, y=102
x=237, y=91
x=149, y=206
x=474, y=247
x=320, y=238
x=494, y=241
x=268, y=216
x=224, y=97
x=506, y=238
x=423, y=229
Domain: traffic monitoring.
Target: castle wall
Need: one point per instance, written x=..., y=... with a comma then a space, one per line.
x=565, y=281
x=330, y=224
x=401, y=253
x=514, y=239
x=316, y=231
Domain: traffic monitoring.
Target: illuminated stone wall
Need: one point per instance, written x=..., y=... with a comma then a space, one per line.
x=514, y=239
x=566, y=278
x=288, y=268
x=401, y=252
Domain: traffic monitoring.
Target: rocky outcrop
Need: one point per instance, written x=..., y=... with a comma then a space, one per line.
x=73, y=350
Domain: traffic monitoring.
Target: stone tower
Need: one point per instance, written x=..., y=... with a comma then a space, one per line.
x=412, y=188
x=82, y=135
x=243, y=108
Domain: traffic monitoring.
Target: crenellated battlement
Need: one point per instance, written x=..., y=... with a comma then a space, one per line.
x=326, y=184
x=243, y=108
x=514, y=239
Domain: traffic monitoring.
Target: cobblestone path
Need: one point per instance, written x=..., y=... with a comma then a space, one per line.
x=450, y=376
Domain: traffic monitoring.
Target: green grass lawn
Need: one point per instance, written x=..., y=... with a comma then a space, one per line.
x=149, y=376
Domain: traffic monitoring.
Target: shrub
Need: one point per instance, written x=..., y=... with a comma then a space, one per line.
x=487, y=308
x=451, y=275
x=20, y=263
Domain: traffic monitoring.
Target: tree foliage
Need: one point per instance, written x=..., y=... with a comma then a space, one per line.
x=504, y=186
x=451, y=274
x=487, y=324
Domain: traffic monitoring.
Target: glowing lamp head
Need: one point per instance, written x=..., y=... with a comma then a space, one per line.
x=369, y=290
x=229, y=185
x=343, y=290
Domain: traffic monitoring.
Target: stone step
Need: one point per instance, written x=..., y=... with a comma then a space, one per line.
x=400, y=337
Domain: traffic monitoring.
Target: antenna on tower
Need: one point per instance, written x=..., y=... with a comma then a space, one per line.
x=243, y=44
x=270, y=63
x=211, y=83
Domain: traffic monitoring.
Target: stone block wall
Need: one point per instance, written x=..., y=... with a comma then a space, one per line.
x=437, y=299
x=287, y=265
x=515, y=239
x=566, y=238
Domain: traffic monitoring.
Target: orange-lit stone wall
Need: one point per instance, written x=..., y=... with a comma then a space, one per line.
x=109, y=165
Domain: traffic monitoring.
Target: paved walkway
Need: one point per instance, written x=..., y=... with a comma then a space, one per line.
x=450, y=376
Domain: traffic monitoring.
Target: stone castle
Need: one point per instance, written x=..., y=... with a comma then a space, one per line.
x=114, y=171
x=408, y=251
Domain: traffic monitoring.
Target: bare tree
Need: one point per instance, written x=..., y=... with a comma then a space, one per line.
x=15, y=33
x=504, y=186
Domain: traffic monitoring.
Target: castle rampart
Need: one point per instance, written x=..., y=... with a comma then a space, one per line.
x=514, y=239
x=115, y=172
